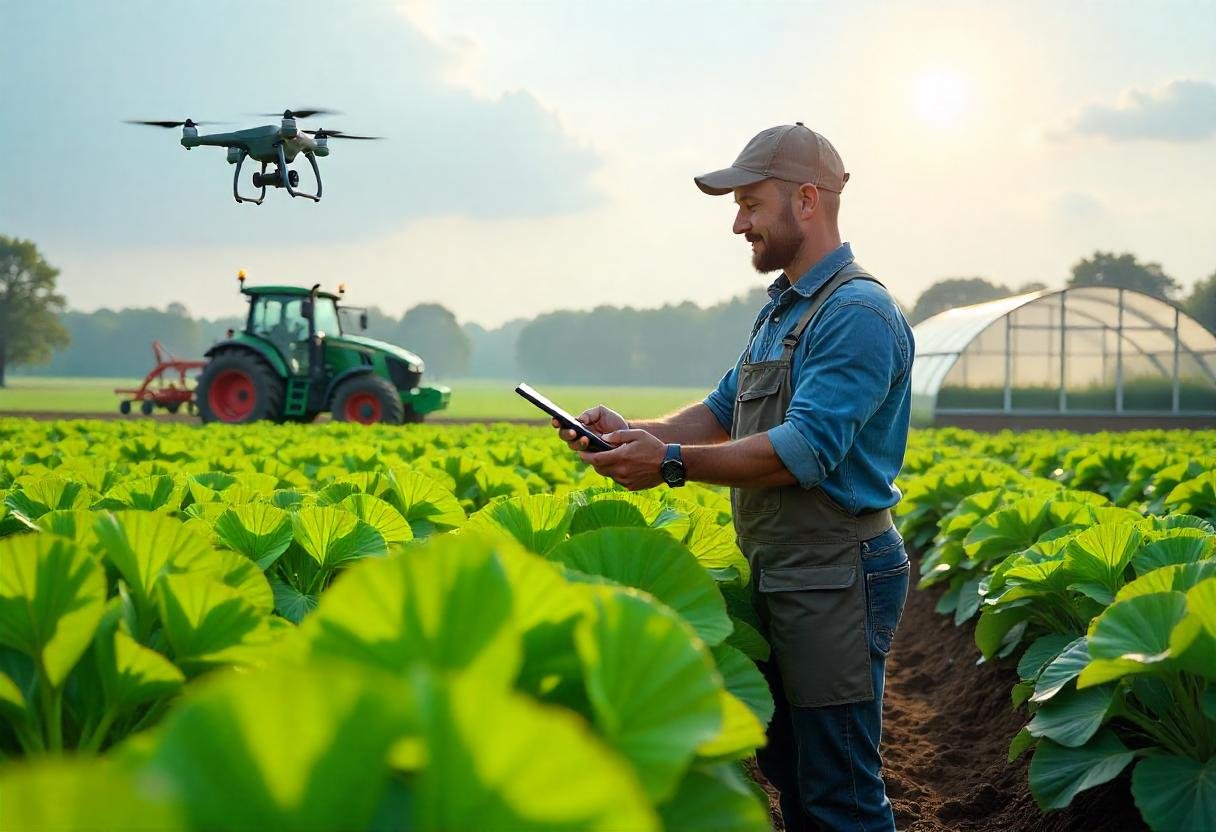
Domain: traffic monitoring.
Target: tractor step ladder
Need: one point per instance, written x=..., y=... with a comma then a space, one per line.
x=297, y=397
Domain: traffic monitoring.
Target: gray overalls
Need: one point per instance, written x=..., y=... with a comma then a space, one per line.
x=804, y=549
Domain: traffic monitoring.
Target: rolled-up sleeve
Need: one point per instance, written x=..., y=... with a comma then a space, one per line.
x=848, y=364
x=721, y=401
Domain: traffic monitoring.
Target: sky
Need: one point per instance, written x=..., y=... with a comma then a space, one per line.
x=540, y=155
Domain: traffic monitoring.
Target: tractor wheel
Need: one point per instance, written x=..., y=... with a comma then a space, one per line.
x=146, y=407
x=124, y=407
x=173, y=407
x=236, y=386
x=367, y=399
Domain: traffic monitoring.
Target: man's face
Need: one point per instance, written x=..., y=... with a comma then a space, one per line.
x=766, y=220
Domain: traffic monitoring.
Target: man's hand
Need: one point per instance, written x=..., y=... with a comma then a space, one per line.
x=599, y=418
x=634, y=463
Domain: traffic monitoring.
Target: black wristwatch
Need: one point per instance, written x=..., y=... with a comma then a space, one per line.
x=672, y=468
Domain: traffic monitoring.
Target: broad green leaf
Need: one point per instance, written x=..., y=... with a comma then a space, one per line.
x=654, y=562
x=1176, y=793
x=623, y=508
x=82, y=794
x=380, y=515
x=207, y=623
x=446, y=604
x=142, y=545
x=1018, y=526
x=1176, y=578
x=1059, y=773
x=1072, y=717
x=155, y=493
x=36, y=498
x=333, y=537
x=653, y=689
x=75, y=524
x=539, y=521
x=52, y=596
x=284, y=748
x=713, y=542
x=428, y=506
x=740, y=735
x=715, y=799
x=1176, y=549
x=747, y=640
x=259, y=531
x=1098, y=557
x=1040, y=654
x=1062, y=669
x=1021, y=742
x=1194, y=496
x=483, y=770
x=743, y=679
x=130, y=673
x=1132, y=636
x=290, y=603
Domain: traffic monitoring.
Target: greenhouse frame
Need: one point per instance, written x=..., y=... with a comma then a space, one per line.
x=1088, y=356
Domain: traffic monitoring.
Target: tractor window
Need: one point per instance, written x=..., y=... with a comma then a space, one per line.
x=280, y=321
x=325, y=317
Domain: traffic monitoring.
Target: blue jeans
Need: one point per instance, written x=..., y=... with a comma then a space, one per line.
x=824, y=761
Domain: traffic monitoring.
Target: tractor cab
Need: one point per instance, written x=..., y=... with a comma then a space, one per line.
x=293, y=361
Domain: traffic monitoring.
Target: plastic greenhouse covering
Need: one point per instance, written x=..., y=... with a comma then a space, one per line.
x=1088, y=350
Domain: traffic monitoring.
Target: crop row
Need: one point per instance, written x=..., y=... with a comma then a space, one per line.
x=1096, y=563
x=319, y=627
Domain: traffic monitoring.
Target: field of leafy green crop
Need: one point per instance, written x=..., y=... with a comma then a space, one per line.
x=339, y=627
x=1094, y=561
x=331, y=627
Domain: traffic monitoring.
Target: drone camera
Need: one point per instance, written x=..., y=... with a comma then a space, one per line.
x=274, y=180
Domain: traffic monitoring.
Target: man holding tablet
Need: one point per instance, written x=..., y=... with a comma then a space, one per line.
x=809, y=430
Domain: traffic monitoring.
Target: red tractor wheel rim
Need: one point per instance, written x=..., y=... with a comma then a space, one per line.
x=363, y=407
x=232, y=396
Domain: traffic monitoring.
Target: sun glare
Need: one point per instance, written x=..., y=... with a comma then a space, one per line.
x=941, y=97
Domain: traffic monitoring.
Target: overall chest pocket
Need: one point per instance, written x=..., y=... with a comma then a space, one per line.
x=759, y=405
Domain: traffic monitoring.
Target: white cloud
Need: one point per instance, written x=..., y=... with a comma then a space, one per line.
x=1179, y=111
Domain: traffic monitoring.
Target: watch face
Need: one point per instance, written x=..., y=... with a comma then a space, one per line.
x=672, y=471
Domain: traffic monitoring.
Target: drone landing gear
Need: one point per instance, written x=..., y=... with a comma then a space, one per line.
x=258, y=180
x=290, y=181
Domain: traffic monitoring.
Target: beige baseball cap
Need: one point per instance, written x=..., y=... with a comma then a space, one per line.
x=791, y=152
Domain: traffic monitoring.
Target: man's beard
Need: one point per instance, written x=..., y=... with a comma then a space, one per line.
x=781, y=247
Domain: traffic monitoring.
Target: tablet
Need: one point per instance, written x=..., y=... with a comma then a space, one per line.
x=595, y=442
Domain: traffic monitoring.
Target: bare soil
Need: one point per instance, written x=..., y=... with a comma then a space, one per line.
x=947, y=723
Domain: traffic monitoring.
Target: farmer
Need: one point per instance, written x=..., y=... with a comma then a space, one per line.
x=809, y=430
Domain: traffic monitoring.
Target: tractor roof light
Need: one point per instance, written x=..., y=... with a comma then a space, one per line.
x=341, y=288
x=240, y=276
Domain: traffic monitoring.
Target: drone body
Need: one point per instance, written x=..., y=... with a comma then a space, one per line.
x=270, y=145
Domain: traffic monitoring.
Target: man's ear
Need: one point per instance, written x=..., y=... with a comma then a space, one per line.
x=809, y=199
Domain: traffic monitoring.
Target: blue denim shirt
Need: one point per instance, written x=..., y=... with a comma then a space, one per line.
x=847, y=427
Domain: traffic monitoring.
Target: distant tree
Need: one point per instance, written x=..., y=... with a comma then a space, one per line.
x=29, y=307
x=954, y=292
x=1201, y=303
x=1123, y=271
x=1032, y=286
x=432, y=331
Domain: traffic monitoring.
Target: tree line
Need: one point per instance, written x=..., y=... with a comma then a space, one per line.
x=675, y=345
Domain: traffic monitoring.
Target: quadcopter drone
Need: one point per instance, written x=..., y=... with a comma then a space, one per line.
x=269, y=145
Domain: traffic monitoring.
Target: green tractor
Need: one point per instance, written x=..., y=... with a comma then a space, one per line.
x=293, y=361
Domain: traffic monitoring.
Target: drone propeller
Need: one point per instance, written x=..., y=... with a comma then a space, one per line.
x=337, y=134
x=306, y=113
x=187, y=123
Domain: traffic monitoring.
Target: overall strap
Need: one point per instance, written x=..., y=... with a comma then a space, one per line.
x=850, y=272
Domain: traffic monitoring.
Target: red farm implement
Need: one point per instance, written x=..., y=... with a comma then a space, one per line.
x=165, y=386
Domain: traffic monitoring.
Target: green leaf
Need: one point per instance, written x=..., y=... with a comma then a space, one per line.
x=290, y=603
x=539, y=521
x=428, y=506
x=380, y=515
x=654, y=691
x=713, y=543
x=1131, y=636
x=1180, y=547
x=1098, y=557
x=625, y=508
x=130, y=673
x=259, y=531
x=654, y=562
x=1040, y=654
x=1021, y=742
x=333, y=537
x=1073, y=716
x=446, y=603
x=75, y=524
x=1061, y=670
x=45, y=494
x=1176, y=793
x=747, y=640
x=52, y=597
x=715, y=799
x=208, y=623
x=1059, y=773
x=743, y=679
x=83, y=793
x=285, y=748
x=1175, y=578
x=483, y=770
x=997, y=630
x=146, y=494
x=142, y=545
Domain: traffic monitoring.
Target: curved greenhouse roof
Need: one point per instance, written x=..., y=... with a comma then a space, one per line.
x=1084, y=351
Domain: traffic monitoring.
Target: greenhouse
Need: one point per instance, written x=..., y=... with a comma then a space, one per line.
x=1097, y=355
